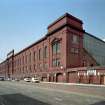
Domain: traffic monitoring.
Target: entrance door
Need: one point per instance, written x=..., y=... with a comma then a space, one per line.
x=102, y=79
x=51, y=79
x=59, y=77
x=72, y=77
x=91, y=79
x=81, y=79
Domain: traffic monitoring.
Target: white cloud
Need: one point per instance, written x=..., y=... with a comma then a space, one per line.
x=103, y=39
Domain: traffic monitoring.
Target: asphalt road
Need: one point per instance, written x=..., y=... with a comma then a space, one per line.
x=21, y=93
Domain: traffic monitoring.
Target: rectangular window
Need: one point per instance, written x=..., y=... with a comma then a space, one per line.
x=56, y=63
x=75, y=50
x=20, y=61
x=26, y=69
x=72, y=50
x=34, y=58
x=30, y=68
x=20, y=70
x=23, y=70
x=40, y=66
x=23, y=60
x=30, y=58
x=45, y=65
x=45, y=52
x=34, y=67
x=56, y=47
x=39, y=54
x=26, y=58
x=75, y=39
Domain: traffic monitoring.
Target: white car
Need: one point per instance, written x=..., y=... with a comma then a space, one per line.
x=27, y=79
x=35, y=80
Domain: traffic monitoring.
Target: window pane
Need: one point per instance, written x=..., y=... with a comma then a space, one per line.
x=34, y=58
x=75, y=50
x=58, y=47
x=29, y=57
x=54, y=63
x=72, y=50
x=75, y=39
x=40, y=54
x=45, y=65
x=57, y=62
x=54, y=48
x=45, y=52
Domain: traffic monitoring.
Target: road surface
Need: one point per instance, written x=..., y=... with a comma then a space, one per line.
x=22, y=93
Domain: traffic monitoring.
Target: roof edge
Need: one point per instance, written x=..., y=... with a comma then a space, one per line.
x=95, y=37
x=65, y=15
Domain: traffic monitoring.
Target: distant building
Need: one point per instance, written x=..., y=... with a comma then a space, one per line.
x=65, y=54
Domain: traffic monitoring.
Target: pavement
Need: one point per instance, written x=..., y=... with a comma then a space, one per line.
x=78, y=84
x=27, y=93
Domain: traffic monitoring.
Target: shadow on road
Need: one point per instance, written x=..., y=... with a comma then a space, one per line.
x=19, y=99
x=99, y=103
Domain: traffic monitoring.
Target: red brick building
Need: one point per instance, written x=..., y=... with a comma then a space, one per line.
x=58, y=57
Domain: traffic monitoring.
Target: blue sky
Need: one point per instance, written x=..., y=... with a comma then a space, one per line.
x=22, y=22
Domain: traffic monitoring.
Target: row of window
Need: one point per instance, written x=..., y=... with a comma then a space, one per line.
x=34, y=68
x=55, y=63
x=75, y=40
x=38, y=55
x=74, y=50
x=28, y=58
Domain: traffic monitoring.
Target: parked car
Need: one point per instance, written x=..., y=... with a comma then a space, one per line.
x=35, y=80
x=27, y=79
x=15, y=79
x=2, y=79
x=8, y=79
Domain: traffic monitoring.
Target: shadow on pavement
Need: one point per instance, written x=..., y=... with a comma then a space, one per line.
x=99, y=103
x=19, y=99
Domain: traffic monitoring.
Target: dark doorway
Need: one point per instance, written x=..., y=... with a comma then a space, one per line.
x=91, y=79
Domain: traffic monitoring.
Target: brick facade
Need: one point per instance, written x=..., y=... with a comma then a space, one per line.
x=51, y=57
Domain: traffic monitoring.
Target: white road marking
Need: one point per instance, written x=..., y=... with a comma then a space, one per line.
x=58, y=99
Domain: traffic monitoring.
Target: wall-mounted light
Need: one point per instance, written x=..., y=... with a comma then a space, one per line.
x=64, y=74
x=61, y=67
x=78, y=74
x=98, y=73
x=84, y=74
